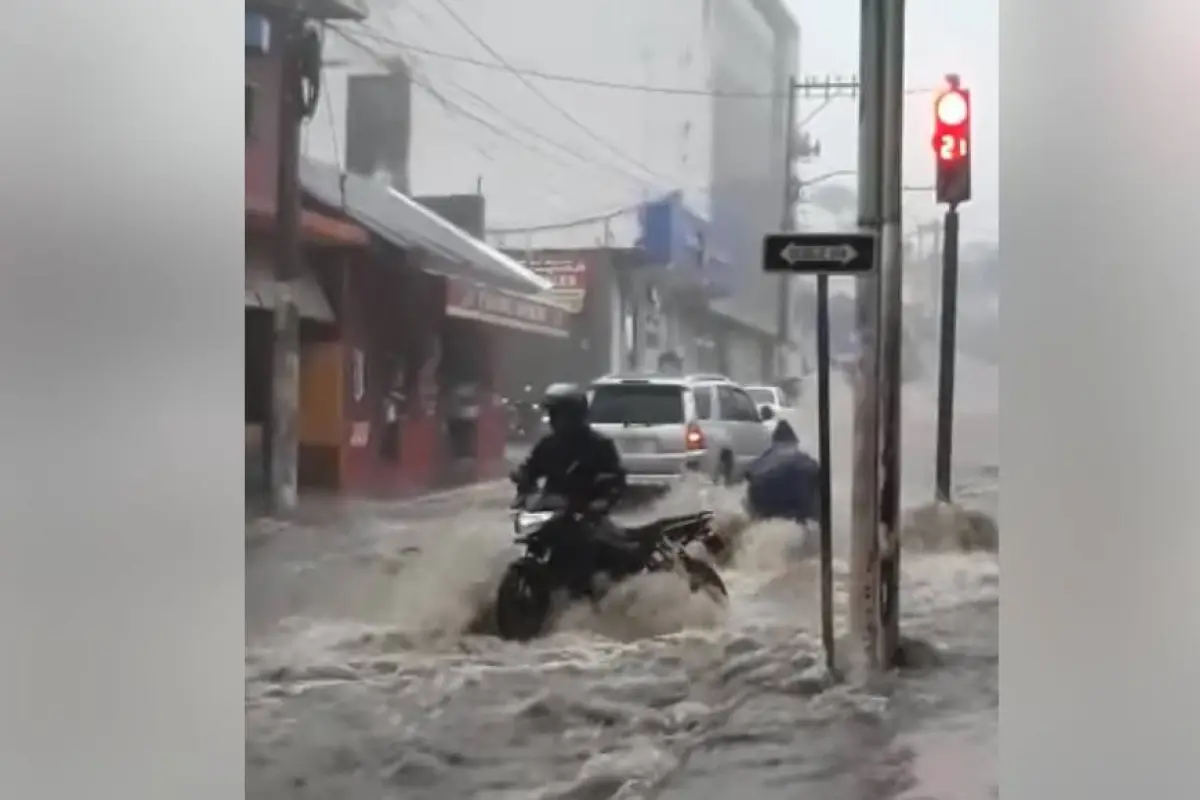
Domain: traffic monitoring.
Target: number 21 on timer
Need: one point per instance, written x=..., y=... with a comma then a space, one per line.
x=952, y=147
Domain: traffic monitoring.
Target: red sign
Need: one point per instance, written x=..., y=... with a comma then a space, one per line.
x=467, y=300
x=569, y=277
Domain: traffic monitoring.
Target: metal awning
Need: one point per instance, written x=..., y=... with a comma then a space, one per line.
x=261, y=291
x=405, y=223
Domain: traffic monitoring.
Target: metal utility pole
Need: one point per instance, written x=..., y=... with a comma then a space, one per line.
x=947, y=346
x=892, y=278
x=864, y=541
x=952, y=149
x=824, y=451
x=283, y=421
x=788, y=223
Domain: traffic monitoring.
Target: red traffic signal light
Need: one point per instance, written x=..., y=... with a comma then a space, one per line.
x=952, y=145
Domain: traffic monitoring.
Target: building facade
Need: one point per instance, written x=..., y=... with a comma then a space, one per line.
x=547, y=153
x=397, y=373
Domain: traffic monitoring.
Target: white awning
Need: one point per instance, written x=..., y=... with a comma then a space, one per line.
x=403, y=222
x=262, y=290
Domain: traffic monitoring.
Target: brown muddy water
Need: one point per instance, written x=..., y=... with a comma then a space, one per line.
x=360, y=682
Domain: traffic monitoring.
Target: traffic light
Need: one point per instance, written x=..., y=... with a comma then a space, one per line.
x=952, y=143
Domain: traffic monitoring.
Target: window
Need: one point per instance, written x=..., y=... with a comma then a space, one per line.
x=703, y=395
x=762, y=395
x=637, y=404
x=745, y=408
x=736, y=405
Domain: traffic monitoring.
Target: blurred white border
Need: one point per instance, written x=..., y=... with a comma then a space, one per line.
x=121, y=512
x=1100, y=397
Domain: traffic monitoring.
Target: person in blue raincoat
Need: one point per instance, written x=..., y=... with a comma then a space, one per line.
x=784, y=482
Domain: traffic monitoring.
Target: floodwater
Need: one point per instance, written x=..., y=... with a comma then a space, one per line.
x=361, y=683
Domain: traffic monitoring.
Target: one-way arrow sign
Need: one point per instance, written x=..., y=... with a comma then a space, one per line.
x=816, y=253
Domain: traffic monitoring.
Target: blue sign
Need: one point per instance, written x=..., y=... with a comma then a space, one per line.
x=674, y=237
x=258, y=34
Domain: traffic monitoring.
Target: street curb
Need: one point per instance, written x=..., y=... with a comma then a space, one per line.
x=446, y=494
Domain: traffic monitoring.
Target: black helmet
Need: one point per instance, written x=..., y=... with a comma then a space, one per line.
x=784, y=434
x=566, y=405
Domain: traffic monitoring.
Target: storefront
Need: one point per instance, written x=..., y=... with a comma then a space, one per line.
x=411, y=357
x=486, y=332
x=327, y=241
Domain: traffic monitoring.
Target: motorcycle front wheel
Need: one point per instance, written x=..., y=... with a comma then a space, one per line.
x=522, y=605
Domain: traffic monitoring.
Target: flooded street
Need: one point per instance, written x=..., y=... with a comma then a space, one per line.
x=361, y=682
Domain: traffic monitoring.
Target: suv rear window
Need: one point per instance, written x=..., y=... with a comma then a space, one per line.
x=637, y=404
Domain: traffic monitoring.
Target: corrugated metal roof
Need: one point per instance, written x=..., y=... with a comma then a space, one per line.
x=400, y=220
x=354, y=10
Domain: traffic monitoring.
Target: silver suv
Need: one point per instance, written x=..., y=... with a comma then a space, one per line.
x=668, y=426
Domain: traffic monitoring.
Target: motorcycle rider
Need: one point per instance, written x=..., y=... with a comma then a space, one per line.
x=784, y=482
x=579, y=465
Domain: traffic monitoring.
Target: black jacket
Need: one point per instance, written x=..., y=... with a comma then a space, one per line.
x=579, y=467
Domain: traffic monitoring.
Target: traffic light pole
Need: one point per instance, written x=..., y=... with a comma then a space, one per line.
x=864, y=598
x=947, y=352
x=824, y=445
x=891, y=347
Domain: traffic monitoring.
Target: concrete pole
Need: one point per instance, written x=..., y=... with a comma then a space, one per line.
x=892, y=277
x=283, y=422
x=787, y=223
x=864, y=601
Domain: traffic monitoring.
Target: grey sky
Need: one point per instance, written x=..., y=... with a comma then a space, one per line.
x=942, y=37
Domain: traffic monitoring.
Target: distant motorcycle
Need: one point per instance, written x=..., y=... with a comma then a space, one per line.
x=548, y=532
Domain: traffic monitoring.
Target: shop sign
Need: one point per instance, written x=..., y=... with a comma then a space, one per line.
x=467, y=300
x=569, y=277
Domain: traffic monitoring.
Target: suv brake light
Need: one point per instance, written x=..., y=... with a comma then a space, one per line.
x=694, y=438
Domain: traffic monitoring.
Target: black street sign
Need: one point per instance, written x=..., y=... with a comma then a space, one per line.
x=819, y=253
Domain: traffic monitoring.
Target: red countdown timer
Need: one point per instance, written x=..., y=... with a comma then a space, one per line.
x=952, y=145
x=952, y=131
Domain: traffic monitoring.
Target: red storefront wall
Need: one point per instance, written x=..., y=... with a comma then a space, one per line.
x=486, y=316
x=395, y=323
x=391, y=314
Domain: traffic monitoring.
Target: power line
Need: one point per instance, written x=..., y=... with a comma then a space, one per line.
x=531, y=131
x=589, y=161
x=571, y=223
x=561, y=78
x=605, y=217
x=802, y=124
x=457, y=109
x=546, y=99
x=839, y=88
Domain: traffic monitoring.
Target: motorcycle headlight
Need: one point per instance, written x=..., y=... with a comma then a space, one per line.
x=530, y=521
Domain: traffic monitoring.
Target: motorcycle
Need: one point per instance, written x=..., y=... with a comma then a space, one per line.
x=551, y=535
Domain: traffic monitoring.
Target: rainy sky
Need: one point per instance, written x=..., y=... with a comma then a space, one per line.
x=941, y=37
x=480, y=129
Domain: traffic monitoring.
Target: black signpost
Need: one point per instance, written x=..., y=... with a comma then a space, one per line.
x=819, y=253
x=823, y=255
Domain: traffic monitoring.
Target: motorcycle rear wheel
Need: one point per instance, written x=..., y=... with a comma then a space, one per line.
x=522, y=605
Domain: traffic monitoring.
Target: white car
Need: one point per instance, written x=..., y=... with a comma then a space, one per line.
x=668, y=426
x=770, y=402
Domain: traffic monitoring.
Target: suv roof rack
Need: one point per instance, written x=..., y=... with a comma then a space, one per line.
x=646, y=377
x=628, y=376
